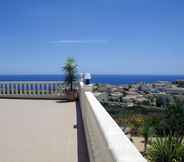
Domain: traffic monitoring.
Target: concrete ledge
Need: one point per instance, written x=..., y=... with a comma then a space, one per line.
x=106, y=141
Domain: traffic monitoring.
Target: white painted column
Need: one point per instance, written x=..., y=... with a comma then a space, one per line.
x=34, y=87
x=4, y=88
x=43, y=88
x=47, y=88
x=29, y=88
x=11, y=88
x=20, y=87
x=16, y=88
x=8, y=89
x=40, y=88
x=1, y=88
x=23, y=88
x=53, y=88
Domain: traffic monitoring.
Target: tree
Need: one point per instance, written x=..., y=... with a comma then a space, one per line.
x=169, y=147
x=70, y=70
x=146, y=131
x=173, y=122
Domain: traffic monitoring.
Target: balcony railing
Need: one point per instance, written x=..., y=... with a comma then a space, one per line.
x=30, y=89
x=106, y=142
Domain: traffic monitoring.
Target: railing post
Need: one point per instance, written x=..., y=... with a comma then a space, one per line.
x=40, y=88
x=23, y=88
x=52, y=88
x=33, y=86
x=12, y=88
x=47, y=88
x=29, y=88
x=1, y=88
x=8, y=89
x=16, y=88
x=20, y=88
x=4, y=91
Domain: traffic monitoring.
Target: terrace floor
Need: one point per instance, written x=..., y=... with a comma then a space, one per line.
x=41, y=131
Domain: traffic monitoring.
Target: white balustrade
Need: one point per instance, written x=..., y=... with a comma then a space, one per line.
x=29, y=89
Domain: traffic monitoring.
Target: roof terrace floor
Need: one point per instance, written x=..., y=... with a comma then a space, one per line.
x=41, y=131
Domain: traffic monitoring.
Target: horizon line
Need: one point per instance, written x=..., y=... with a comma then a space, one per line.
x=90, y=73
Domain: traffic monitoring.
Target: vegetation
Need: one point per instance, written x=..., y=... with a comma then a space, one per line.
x=164, y=100
x=70, y=70
x=146, y=131
x=173, y=122
x=169, y=146
x=162, y=125
x=166, y=149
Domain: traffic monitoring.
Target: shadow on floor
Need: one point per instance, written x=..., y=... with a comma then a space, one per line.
x=62, y=101
x=81, y=140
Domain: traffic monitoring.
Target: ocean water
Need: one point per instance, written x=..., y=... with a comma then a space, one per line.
x=130, y=79
x=107, y=79
x=44, y=77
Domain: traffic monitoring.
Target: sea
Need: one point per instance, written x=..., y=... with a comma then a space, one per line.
x=100, y=78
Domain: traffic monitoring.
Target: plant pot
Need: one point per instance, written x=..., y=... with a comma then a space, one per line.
x=71, y=95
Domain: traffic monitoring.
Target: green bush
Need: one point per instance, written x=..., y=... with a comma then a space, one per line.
x=166, y=150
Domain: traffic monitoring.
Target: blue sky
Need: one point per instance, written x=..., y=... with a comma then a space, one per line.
x=104, y=36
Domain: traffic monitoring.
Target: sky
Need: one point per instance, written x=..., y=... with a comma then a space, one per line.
x=104, y=36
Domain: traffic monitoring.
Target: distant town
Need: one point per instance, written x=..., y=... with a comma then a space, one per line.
x=158, y=94
x=144, y=111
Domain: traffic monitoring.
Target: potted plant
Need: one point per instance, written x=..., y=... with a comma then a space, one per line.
x=70, y=71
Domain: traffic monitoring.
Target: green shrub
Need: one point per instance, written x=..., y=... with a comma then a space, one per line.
x=166, y=150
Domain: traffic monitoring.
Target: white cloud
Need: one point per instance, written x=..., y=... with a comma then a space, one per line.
x=78, y=41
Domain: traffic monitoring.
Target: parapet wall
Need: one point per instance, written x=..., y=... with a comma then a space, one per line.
x=105, y=140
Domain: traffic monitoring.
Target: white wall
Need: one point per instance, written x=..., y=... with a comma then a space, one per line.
x=105, y=140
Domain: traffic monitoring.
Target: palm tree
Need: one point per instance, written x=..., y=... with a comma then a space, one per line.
x=70, y=70
x=146, y=132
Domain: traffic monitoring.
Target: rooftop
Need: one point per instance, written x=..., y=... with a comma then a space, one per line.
x=41, y=131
